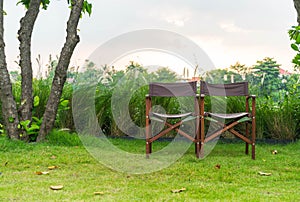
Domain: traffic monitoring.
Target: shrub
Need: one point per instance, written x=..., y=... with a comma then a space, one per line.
x=277, y=118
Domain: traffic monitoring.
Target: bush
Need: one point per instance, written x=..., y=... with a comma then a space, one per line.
x=63, y=138
x=277, y=118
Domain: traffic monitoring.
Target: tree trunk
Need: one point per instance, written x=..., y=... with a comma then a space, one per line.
x=9, y=108
x=24, y=36
x=297, y=7
x=61, y=70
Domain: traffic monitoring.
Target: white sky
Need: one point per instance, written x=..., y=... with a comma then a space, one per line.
x=227, y=30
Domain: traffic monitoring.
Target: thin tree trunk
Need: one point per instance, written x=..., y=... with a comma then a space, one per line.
x=297, y=7
x=61, y=70
x=24, y=36
x=9, y=108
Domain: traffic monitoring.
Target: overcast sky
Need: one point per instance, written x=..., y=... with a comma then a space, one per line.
x=227, y=30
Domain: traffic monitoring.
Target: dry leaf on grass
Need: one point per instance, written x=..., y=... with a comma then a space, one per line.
x=52, y=167
x=53, y=157
x=41, y=173
x=56, y=187
x=264, y=174
x=98, y=193
x=178, y=190
x=218, y=166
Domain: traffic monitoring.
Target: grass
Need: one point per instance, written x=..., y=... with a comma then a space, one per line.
x=82, y=175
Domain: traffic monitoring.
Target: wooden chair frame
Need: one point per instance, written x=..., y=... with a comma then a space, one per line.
x=234, y=89
x=172, y=90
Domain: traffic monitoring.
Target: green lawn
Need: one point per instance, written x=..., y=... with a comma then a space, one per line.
x=237, y=179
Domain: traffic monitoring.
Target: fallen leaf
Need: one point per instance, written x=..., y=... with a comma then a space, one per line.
x=218, y=166
x=52, y=167
x=264, y=174
x=57, y=187
x=98, y=193
x=53, y=157
x=41, y=173
x=178, y=190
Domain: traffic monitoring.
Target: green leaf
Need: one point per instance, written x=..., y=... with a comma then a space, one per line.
x=298, y=38
x=294, y=47
x=24, y=2
x=32, y=133
x=64, y=103
x=87, y=7
x=36, y=101
x=293, y=35
x=37, y=120
x=11, y=119
x=25, y=123
x=297, y=56
x=33, y=128
x=296, y=61
x=45, y=4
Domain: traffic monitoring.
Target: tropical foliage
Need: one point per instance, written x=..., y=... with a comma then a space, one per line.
x=278, y=103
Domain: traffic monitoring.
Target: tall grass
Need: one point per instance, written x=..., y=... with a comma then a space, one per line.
x=275, y=119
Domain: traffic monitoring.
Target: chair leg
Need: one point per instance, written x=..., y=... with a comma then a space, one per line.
x=202, y=131
x=148, y=143
x=197, y=149
x=253, y=151
x=247, y=148
x=247, y=135
x=148, y=149
x=253, y=137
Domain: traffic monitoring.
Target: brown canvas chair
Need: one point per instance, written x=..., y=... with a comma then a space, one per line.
x=183, y=89
x=226, y=121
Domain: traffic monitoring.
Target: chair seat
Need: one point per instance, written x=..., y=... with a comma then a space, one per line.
x=170, y=116
x=227, y=116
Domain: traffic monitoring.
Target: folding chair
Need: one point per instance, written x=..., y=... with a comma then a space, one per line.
x=225, y=121
x=172, y=121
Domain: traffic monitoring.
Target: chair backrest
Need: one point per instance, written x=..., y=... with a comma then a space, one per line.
x=173, y=89
x=232, y=89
